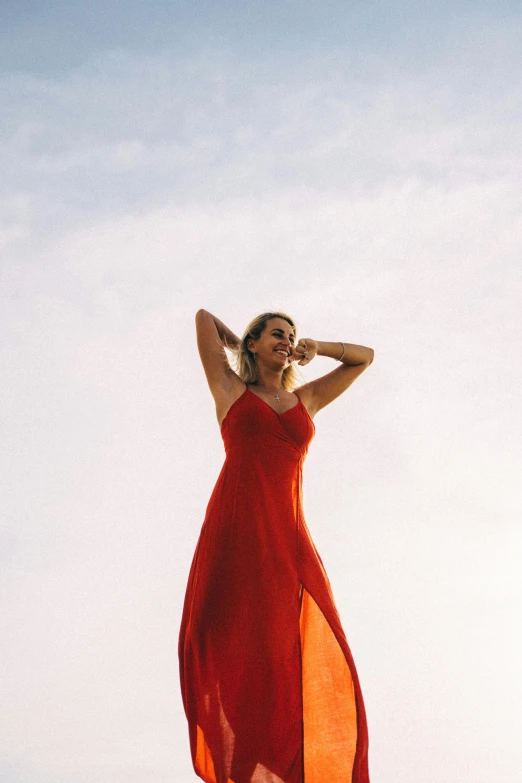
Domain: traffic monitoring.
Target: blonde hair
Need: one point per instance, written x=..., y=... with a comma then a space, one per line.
x=246, y=366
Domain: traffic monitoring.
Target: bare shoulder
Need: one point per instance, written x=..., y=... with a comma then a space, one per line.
x=224, y=404
x=305, y=394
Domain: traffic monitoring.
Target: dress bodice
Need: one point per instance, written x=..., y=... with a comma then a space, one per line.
x=251, y=426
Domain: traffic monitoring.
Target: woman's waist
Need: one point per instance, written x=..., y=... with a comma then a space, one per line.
x=256, y=484
x=260, y=471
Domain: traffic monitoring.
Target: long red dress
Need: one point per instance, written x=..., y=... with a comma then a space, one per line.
x=269, y=685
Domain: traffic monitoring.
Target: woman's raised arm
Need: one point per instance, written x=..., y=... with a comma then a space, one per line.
x=213, y=336
x=320, y=392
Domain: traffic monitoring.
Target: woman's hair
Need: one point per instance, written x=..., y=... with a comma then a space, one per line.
x=246, y=366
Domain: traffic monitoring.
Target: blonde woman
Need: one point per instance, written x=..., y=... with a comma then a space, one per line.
x=269, y=685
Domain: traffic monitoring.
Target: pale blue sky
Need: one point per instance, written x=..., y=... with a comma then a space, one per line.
x=356, y=164
x=60, y=35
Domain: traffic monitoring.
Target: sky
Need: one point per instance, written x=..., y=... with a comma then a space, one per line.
x=357, y=165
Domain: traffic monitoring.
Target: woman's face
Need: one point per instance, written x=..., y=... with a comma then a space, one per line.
x=274, y=346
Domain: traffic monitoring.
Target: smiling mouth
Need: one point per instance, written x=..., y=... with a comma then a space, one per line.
x=282, y=352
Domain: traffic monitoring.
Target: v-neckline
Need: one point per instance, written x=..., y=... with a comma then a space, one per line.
x=273, y=409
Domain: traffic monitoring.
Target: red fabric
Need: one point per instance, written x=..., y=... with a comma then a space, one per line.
x=269, y=685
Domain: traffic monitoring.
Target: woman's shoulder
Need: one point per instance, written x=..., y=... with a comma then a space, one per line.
x=226, y=401
x=304, y=393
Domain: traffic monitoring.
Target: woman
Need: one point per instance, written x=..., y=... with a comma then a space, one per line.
x=269, y=685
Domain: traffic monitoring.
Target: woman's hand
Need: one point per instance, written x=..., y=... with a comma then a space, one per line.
x=304, y=351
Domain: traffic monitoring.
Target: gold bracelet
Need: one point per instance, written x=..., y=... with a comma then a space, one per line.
x=341, y=356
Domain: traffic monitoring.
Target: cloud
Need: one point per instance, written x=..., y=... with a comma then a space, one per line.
x=379, y=208
x=122, y=131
